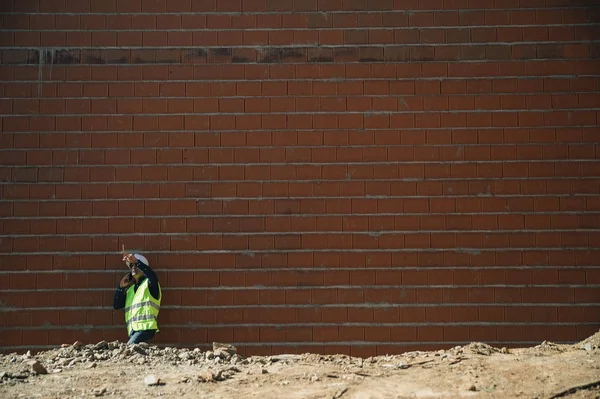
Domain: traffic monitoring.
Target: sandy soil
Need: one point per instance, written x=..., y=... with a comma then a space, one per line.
x=476, y=370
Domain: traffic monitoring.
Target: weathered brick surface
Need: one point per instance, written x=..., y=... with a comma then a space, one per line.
x=357, y=176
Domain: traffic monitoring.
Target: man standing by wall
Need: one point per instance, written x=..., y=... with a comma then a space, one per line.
x=140, y=294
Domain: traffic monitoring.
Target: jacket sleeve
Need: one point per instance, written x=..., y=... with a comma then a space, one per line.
x=152, y=279
x=119, y=299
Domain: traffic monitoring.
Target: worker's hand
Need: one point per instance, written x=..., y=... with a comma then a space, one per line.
x=129, y=258
x=127, y=281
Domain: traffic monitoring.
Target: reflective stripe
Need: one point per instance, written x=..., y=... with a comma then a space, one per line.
x=140, y=304
x=141, y=318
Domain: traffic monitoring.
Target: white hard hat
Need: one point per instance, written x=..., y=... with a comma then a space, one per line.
x=142, y=259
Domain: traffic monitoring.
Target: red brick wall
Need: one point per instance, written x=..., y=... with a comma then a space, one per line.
x=356, y=176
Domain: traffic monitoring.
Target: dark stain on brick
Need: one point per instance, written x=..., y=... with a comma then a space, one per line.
x=117, y=57
x=33, y=57
x=291, y=53
x=345, y=54
x=191, y=56
x=274, y=55
x=239, y=60
x=64, y=57
x=220, y=52
x=320, y=54
x=247, y=54
x=93, y=57
x=396, y=53
x=13, y=56
x=370, y=54
x=321, y=59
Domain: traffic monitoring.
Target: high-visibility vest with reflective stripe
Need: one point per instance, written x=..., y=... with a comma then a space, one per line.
x=141, y=308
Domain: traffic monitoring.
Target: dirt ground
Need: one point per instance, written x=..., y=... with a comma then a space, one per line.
x=114, y=369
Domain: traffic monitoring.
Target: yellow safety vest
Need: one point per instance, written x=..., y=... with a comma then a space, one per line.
x=141, y=308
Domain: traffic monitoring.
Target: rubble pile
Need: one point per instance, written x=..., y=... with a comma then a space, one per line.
x=223, y=362
x=89, y=356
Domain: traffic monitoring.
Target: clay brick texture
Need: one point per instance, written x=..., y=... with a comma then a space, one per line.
x=350, y=176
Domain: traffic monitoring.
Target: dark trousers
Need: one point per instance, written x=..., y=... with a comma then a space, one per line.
x=141, y=336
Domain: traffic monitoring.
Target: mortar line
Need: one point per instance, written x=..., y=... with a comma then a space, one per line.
x=300, y=270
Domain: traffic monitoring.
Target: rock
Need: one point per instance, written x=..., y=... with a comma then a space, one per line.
x=140, y=350
x=99, y=391
x=64, y=361
x=230, y=349
x=280, y=358
x=3, y=375
x=77, y=344
x=101, y=345
x=37, y=367
x=473, y=388
x=209, y=376
x=151, y=380
x=588, y=347
x=91, y=365
x=482, y=349
x=504, y=350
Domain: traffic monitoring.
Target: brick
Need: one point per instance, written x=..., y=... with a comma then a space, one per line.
x=379, y=140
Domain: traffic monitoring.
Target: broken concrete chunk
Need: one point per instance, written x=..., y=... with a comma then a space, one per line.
x=219, y=347
x=101, y=345
x=37, y=367
x=284, y=357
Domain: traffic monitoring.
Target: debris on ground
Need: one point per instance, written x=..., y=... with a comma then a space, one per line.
x=108, y=369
